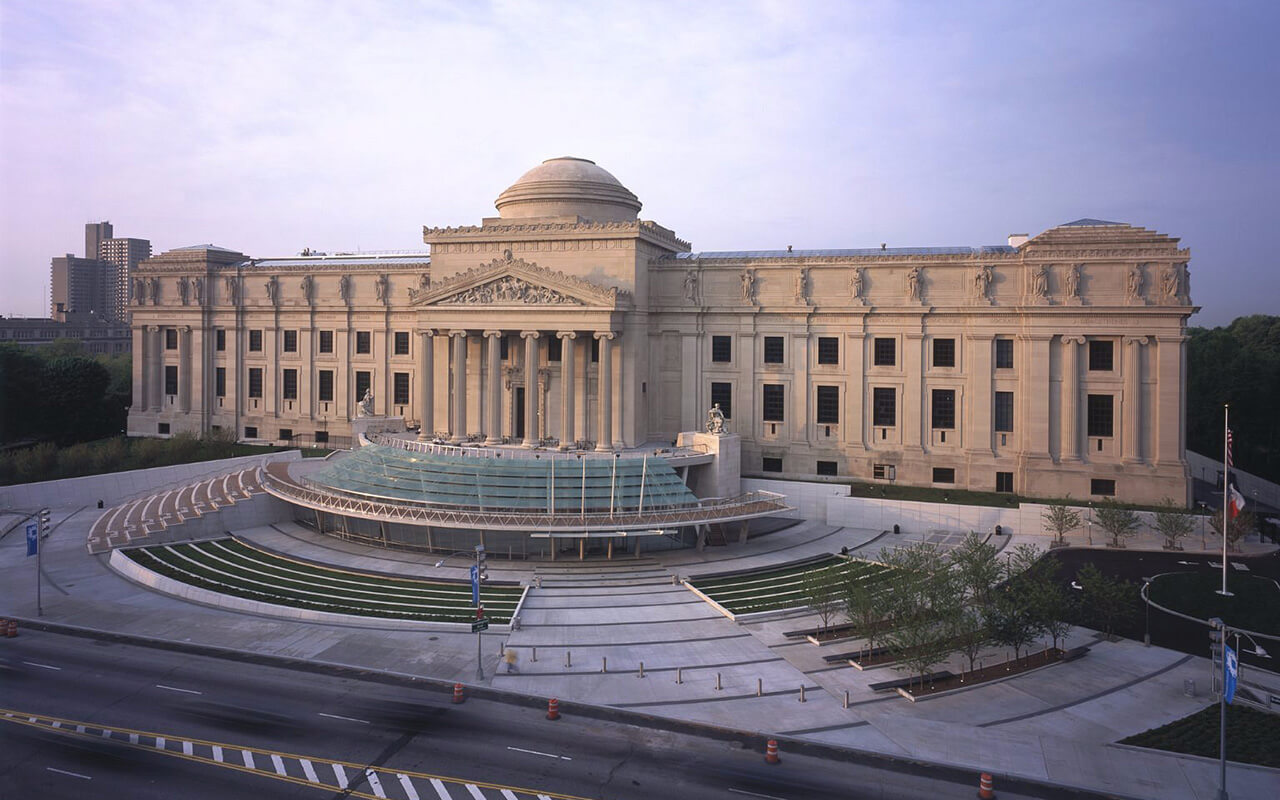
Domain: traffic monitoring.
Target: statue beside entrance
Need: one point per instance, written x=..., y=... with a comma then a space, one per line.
x=715, y=420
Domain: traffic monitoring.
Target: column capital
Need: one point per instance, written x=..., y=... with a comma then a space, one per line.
x=1138, y=340
x=493, y=334
x=426, y=332
x=566, y=334
x=185, y=328
x=1074, y=339
x=530, y=334
x=458, y=333
x=153, y=328
x=605, y=334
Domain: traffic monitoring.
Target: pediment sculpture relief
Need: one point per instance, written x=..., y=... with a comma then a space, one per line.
x=510, y=290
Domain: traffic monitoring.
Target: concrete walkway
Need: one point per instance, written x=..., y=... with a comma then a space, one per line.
x=1058, y=723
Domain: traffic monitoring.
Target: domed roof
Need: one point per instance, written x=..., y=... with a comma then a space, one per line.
x=565, y=187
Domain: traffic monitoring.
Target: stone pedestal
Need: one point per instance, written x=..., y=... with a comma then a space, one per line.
x=723, y=476
x=376, y=424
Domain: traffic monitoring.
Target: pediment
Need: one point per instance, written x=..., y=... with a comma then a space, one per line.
x=509, y=281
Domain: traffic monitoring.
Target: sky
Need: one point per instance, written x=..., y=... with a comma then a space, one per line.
x=342, y=126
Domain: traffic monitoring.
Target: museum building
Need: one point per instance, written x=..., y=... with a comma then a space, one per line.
x=1052, y=365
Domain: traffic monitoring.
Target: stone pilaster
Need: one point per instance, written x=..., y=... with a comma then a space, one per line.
x=1071, y=345
x=493, y=352
x=458, y=425
x=567, y=385
x=531, y=433
x=1131, y=436
x=426, y=384
x=604, y=442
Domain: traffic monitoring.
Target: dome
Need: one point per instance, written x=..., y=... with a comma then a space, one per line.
x=566, y=187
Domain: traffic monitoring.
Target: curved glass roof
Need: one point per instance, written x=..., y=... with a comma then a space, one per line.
x=558, y=486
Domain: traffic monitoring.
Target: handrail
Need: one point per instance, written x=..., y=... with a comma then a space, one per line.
x=415, y=446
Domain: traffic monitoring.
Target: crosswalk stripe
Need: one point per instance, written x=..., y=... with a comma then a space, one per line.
x=475, y=791
x=543, y=797
x=407, y=785
x=507, y=794
x=217, y=754
x=308, y=770
x=186, y=748
x=278, y=764
x=374, y=783
x=159, y=742
x=341, y=775
x=133, y=738
x=79, y=729
x=440, y=790
x=106, y=734
x=56, y=724
x=248, y=759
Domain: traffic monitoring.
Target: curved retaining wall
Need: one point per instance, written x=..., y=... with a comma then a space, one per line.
x=166, y=585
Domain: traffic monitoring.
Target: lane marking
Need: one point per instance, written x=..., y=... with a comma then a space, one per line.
x=42, y=666
x=375, y=784
x=407, y=785
x=507, y=795
x=441, y=792
x=341, y=775
x=247, y=757
x=346, y=719
x=539, y=753
x=308, y=770
x=475, y=791
x=72, y=774
x=753, y=794
x=278, y=764
x=217, y=753
x=176, y=689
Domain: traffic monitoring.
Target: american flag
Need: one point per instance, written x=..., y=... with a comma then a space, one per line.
x=1230, y=462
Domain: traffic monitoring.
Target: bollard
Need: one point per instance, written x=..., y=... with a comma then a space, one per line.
x=846, y=698
x=604, y=663
x=759, y=687
x=502, y=648
x=718, y=686
x=802, y=693
x=553, y=709
x=568, y=658
x=535, y=654
x=458, y=696
x=986, y=787
x=679, y=675
x=641, y=669
x=771, y=752
x=675, y=580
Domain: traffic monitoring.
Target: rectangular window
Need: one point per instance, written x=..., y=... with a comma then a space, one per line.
x=555, y=349
x=827, y=468
x=170, y=380
x=828, y=405
x=325, y=388
x=255, y=381
x=255, y=341
x=290, y=344
x=722, y=393
x=364, y=342
x=400, y=388
x=773, y=349
x=1004, y=481
x=289, y=385
x=828, y=350
x=595, y=350
x=721, y=349
x=401, y=343
x=363, y=381
x=768, y=464
x=170, y=339
x=322, y=437
x=944, y=352
x=504, y=345
x=286, y=434
x=1004, y=412
x=1102, y=486
x=884, y=405
x=944, y=409
x=944, y=475
x=220, y=382
x=884, y=472
x=774, y=402
x=1101, y=356
x=251, y=432
x=162, y=427
x=220, y=339
x=326, y=341
x=1100, y=415
x=1004, y=354
x=886, y=352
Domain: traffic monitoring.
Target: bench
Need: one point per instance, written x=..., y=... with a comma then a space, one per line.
x=1074, y=653
x=902, y=683
x=845, y=628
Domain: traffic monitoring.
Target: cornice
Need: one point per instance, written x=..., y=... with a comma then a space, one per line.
x=508, y=264
x=650, y=229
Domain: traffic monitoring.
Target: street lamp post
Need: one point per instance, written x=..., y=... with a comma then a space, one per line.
x=1091, y=523
x=1203, y=544
x=1146, y=596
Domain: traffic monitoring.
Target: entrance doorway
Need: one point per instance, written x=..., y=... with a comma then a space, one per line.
x=519, y=399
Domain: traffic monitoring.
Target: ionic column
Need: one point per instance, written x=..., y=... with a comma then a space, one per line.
x=604, y=440
x=459, y=421
x=1071, y=397
x=530, y=388
x=1132, y=435
x=184, y=368
x=140, y=401
x=494, y=426
x=426, y=385
x=567, y=386
x=157, y=367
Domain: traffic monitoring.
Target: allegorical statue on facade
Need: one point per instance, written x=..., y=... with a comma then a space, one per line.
x=982, y=283
x=715, y=420
x=1073, y=281
x=184, y=290
x=153, y=290
x=232, y=286
x=913, y=284
x=383, y=288
x=139, y=291
x=748, y=279
x=365, y=407
x=307, y=286
x=198, y=286
x=691, y=286
x=802, y=286
x=344, y=288
x=1040, y=281
x=273, y=290
x=855, y=284
x=1135, y=283
x=1172, y=283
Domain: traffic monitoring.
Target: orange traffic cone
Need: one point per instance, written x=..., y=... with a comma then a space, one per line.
x=458, y=696
x=771, y=752
x=985, y=787
x=553, y=709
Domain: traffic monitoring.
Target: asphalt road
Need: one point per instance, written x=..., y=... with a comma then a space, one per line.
x=292, y=725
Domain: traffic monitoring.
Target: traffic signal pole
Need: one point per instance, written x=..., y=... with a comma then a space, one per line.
x=481, y=572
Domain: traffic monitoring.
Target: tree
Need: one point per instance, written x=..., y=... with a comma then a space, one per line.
x=862, y=606
x=1240, y=526
x=1014, y=618
x=823, y=592
x=970, y=632
x=977, y=568
x=1173, y=522
x=1118, y=521
x=1058, y=519
x=922, y=595
x=1052, y=606
x=1105, y=600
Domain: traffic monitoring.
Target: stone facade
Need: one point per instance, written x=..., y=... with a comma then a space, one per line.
x=1049, y=366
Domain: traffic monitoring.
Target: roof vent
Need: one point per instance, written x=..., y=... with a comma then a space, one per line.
x=1018, y=239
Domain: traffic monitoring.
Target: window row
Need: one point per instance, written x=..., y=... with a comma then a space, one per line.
x=364, y=343
x=363, y=380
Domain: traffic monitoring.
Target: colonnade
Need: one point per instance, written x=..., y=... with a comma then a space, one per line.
x=491, y=422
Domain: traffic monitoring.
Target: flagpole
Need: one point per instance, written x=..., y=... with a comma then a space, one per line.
x=1226, y=490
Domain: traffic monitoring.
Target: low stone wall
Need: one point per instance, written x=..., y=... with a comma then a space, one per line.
x=809, y=499
x=114, y=488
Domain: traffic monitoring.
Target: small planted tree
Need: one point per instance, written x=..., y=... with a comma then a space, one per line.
x=1120, y=522
x=863, y=607
x=1051, y=603
x=1013, y=618
x=1059, y=519
x=822, y=592
x=1106, y=601
x=1174, y=523
x=1240, y=526
x=969, y=631
x=976, y=568
x=922, y=593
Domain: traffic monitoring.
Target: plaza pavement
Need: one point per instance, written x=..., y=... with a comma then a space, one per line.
x=1055, y=724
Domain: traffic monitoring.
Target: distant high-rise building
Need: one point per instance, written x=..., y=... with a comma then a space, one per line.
x=95, y=233
x=78, y=285
x=98, y=283
x=122, y=257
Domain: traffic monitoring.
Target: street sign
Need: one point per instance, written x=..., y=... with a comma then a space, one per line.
x=33, y=538
x=1230, y=668
x=475, y=585
x=479, y=625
